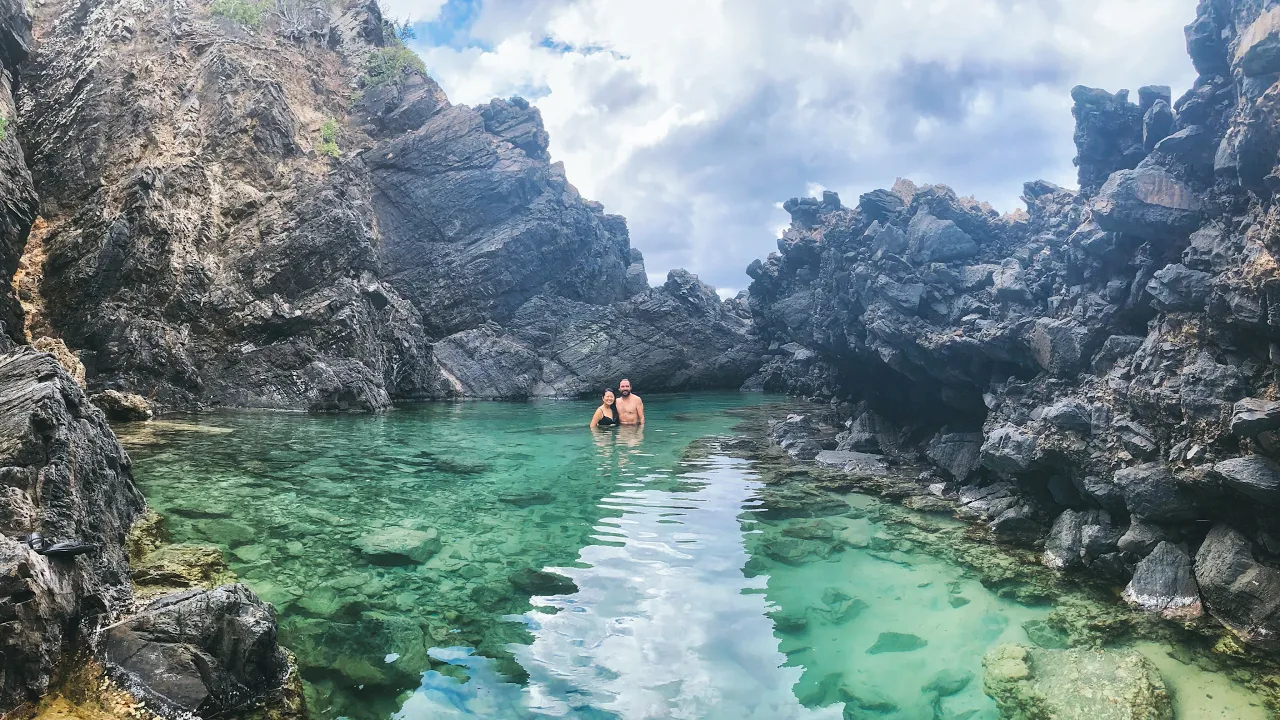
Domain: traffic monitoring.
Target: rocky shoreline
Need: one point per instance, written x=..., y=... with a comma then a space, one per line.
x=1093, y=378
x=1084, y=651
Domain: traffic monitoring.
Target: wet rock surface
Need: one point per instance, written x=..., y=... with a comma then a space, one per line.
x=1093, y=376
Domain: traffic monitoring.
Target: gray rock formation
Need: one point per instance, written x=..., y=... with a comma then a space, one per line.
x=207, y=245
x=1108, y=353
x=18, y=208
x=1164, y=582
x=203, y=652
x=66, y=478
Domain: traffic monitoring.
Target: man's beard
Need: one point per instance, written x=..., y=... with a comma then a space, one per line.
x=625, y=393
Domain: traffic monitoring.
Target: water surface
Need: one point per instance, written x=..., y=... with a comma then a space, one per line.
x=564, y=572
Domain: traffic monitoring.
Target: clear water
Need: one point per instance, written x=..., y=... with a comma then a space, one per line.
x=682, y=585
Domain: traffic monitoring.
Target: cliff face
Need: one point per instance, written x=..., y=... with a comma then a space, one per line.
x=17, y=196
x=1097, y=372
x=290, y=216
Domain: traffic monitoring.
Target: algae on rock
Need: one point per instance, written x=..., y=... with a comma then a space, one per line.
x=1036, y=684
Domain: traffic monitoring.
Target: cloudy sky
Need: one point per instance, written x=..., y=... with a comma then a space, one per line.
x=696, y=118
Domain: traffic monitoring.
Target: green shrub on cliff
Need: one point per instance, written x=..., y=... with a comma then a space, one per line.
x=244, y=12
x=388, y=65
x=4, y=127
x=329, y=138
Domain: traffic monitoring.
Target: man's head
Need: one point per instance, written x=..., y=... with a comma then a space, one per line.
x=624, y=388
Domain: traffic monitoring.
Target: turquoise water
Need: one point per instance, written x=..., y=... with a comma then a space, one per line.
x=488, y=560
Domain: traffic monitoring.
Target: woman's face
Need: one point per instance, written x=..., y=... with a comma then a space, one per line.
x=608, y=397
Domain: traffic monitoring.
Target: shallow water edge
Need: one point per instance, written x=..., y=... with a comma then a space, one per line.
x=689, y=570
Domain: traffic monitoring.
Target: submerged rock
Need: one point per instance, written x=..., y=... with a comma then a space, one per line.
x=948, y=682
x=1035, y=684
x=540, y=582
x=895, y=642
x=399, y=546
x=179, y=567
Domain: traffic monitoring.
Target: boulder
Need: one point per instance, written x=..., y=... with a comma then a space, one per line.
x=1151, y=492
x=399, y=546
x=1251, y=416
x=203, y=652
x=1009, y=282
x=881, y=205
x=1164, y=582
x=122, y=407
x=1069, y=415
x=957, y=454
x=887, y=239
x=539, y=582
x=976, y=277
x=1254, y=476
x=1238, y=590
x=1148, y=203
x=930, y=239
x=1038, y=684
x=1177, y=287
x=1077, y=538
x=1149, y=95
x=1019, y=524
x=1008, y=451
x=1156, y=124
x=1058, y=346
x=1142, y=537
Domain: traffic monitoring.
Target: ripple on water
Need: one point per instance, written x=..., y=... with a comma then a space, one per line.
x=559, y=572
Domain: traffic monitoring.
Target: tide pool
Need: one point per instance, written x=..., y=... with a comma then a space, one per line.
x=486, y=560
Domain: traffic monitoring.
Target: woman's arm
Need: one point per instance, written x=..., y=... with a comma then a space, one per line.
x=595, y=419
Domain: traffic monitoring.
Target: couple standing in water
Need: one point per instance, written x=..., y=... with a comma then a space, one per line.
x=621, y=409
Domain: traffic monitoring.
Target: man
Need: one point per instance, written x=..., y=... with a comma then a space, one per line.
x=630, y=407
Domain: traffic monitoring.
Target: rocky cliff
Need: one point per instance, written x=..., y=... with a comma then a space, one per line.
x=17, y=196
x=1095, y=375
x=280, y=209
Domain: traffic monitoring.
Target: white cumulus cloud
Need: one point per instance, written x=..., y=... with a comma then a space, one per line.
x=695, y=117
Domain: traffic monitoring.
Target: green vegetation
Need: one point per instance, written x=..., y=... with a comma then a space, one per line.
x=401, y=30
x=244, y=12
x=4, y=127
x=388, y=65
x=329, y=138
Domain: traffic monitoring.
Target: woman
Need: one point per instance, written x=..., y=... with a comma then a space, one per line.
x=606, y=415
